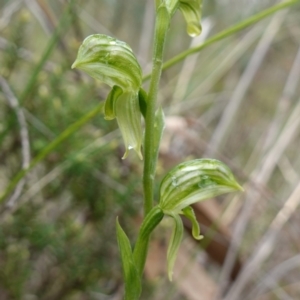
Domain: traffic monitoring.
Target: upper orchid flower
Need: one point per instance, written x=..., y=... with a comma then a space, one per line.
x=113, y=62
x=191, y=10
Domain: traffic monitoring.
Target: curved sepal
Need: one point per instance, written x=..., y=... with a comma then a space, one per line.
x=132, y=280
x=195, y=181
x=189, y=213
x=110, y=61
x=174, y=243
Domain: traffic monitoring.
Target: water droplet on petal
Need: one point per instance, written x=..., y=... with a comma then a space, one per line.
x=174, y=181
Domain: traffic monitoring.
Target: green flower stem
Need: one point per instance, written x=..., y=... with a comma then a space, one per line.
x=226, y=33
x=48, y=149
x=161, y=28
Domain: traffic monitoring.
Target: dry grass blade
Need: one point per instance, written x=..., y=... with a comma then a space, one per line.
x=266, y=245
x=274, y=276
x=262, y=175
x=8, y=11
x=224, y=126
x=146, y=33
x=285, y=101
x=187, y=69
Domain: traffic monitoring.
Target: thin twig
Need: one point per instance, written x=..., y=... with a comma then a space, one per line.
x=36, y=187
x=284, y=102
x=25, y=144
x=25, y=54
x=8, y=11
x=50, y=147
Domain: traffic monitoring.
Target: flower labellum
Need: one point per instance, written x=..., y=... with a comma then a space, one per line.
x=113, y=62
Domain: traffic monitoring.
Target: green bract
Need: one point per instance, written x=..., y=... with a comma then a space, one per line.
x=113, y=62
x=171, y=5
x=188, y=183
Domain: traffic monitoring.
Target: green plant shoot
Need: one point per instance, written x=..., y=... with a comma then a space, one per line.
x=112, y=62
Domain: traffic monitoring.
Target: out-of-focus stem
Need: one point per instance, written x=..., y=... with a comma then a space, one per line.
x=161, y=28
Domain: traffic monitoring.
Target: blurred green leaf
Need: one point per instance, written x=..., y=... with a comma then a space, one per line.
x=131, y=276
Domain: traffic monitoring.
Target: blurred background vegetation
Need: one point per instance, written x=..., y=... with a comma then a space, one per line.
x=237, y=101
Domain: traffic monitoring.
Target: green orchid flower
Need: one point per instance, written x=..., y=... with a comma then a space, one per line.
x=191, y=10
x=188, y=183
x=113, y=62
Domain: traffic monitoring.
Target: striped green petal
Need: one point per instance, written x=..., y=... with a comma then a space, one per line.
x=195, y=181
x=110, y=61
